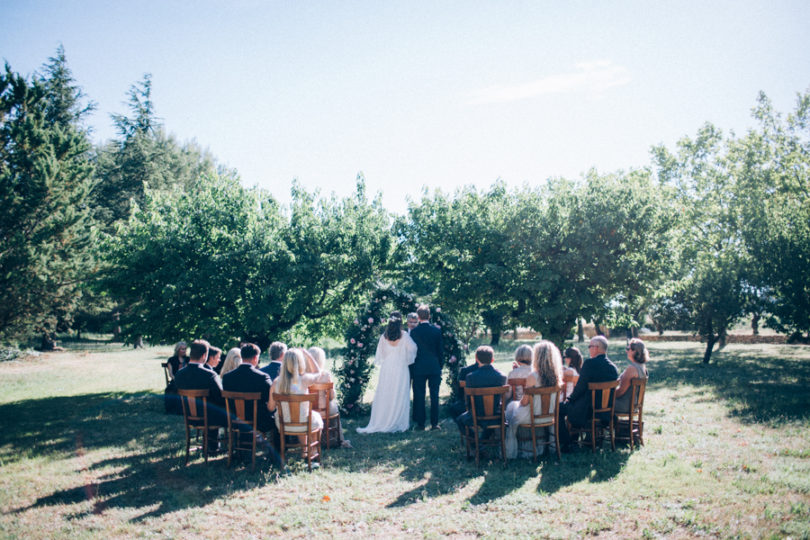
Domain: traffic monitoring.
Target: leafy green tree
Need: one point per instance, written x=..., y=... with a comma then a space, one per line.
x=772, y=197
x=46, y=177
x=225, y=262
x=713, y=270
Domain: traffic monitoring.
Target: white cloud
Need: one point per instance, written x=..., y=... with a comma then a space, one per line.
x=592, y=78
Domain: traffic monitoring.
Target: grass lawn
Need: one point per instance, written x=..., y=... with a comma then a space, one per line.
x=86, y=451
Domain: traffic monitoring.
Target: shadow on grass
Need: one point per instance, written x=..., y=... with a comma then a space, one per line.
x=146, y=470
x=758, y=385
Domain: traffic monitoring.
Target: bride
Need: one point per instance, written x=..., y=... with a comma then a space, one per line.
x=391, y=406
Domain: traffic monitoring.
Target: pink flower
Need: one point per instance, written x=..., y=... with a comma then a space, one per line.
x=359, y=345
x=351, y=340
x=438, y=310
x=356, y=321
x=351, y=371
x=371, y=320
x=453, y=359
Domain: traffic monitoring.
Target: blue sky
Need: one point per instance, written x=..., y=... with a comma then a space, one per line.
x=422, y=95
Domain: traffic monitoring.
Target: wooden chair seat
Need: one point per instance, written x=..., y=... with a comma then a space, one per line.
x=487, y=410
x=242, y=409
x=195, y=416
x=601, y=405
x=294, y=415
x=632, y=423
x=545, y=413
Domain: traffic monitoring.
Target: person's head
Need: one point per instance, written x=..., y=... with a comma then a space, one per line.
x=292, y=366
x=180, y=349
x=413, y=320
x=547, y=363
x=213, y=356
x=232, y=361
x=637, y=351
x=423, y=313
x=573, y=358
x=277, y=350
x=523, y=355
x=484, y=355
x=250, y=353
x=198, y=351
x=598, y=345
x=394, y=329
x=319, y=355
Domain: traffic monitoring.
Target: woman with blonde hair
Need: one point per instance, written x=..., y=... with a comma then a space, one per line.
x=319, y=355
x=522, y=367
x=546, y=371
x=232, y=361
x=298, y=372
x=179, y=360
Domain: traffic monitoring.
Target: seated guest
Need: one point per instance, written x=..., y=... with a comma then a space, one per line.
x=597, y=368
x=298, y=373
x=277, y=350
x=196, y=376
x=179, y=360
x=638, y=356
x=319, y=355
x=232, y=361
x=214, y=357
x=486, y=376
x=247, y=378
x=546, y=370
x=458, y=407
x=573, y=364
x=521, y=368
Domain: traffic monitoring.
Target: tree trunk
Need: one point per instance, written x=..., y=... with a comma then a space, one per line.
x=496, y=338
x=722, y=338
x=755, y=324
x=580, y=330
x=138, y=343
x=635, y=331
x=710, y=341
x=47, y=343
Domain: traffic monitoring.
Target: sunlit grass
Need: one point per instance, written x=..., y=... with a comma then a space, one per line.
x=86, y=451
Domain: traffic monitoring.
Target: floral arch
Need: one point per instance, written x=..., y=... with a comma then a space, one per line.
x=361, y=344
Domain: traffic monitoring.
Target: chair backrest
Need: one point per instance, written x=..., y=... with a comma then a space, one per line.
x=195, y=405
x=604, y=390
x=488, y=402
x=638, y=385
x=545, y=404
x=324, y=391
x=517, y=384
x=295, y=410
x=242, y=406
x=568, y=378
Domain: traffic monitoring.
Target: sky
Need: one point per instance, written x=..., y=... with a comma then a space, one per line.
x=422, y=95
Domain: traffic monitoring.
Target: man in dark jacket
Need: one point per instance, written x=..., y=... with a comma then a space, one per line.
x=426, y=369
x=197, y=376
x=597, y=368
x=486, y=376
x=277, y=350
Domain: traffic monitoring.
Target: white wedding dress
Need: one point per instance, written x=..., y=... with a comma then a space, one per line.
x=390, y=410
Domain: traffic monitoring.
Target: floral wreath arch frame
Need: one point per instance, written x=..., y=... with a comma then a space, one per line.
x=361, y=344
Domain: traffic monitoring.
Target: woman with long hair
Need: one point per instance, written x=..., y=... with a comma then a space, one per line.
x=546, y=371
x=638, y=356
x=232, y=361
x=179, y=359
x=390, y=410
x=298, y=373
x=573, y=364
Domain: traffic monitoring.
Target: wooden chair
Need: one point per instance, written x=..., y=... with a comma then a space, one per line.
x=324, y=391
x=517, y=382
x=545, y=413
x=294, y=413
x=483, y=402
x=603, y=405
x=242, y=409
x=633, y=421
x=567, y=378
x=195, y=415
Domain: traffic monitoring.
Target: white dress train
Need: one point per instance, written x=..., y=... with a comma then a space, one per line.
x=390, y=410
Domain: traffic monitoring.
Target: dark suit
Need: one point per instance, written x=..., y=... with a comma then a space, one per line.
x=458, y=407
x=246, y=378
x=427, y=368
x=200, y=377
x=578, y=406
x=485, y=376
x=272, y=369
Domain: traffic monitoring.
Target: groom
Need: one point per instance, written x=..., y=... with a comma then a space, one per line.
x=427, y=368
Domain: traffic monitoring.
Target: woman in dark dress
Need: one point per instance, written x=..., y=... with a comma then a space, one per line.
x=179, y=360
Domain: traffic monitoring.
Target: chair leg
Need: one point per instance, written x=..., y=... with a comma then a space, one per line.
x=612, y=435
x=503, y=444
x=188, y=443
x=630, y=431
x=253, y=452
x=593, y=436
x=557, y=439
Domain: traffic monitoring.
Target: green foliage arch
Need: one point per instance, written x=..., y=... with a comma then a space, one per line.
x=361, y=344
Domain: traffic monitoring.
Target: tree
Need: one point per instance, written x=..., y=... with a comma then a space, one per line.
x=772, y=198
x=225, y=262
x=45, y=182
x=713, y=270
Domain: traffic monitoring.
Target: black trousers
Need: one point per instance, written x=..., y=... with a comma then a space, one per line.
x=433, y=382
